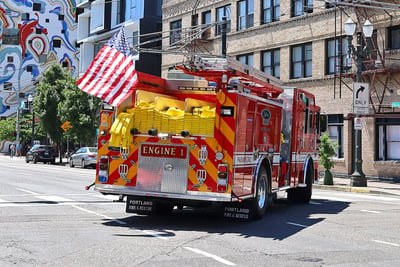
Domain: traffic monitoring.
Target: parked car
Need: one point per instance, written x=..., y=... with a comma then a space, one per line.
x=84, y=157
x=41, y=153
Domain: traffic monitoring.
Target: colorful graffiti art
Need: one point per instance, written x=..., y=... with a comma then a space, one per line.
x=33, y=36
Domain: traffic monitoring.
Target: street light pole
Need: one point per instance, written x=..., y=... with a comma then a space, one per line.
x=358, y=176
x=30, y=100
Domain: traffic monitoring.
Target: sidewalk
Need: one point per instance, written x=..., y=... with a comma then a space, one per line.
x=374, y=186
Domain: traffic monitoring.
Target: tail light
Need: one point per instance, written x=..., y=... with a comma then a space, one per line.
x=223, y=175
x=103, y=169
x=92, y=156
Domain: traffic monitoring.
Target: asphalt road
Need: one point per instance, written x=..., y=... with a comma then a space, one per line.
x=48, y=219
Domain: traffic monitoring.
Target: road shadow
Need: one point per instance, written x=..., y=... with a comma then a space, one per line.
x=281, y=221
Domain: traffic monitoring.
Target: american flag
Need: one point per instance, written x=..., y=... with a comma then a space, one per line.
x=112, y=74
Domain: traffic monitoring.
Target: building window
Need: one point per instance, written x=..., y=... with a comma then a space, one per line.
x=43, y=58
x=245, y=16
x=301, y=61
x=7, y=86
x=246, y=59
x=10, y=59
x=224, y=11
x=25, y=16
x=206, y=21
x=388, y=138
x=299, y=7
x=335, y=131
x=176, y=31
x=120, y=12
x=271, y=62
x=394, y=37
x=10, y=37
x=337, y=59
x=37, y=7
x=271, y=11
x=56, y=43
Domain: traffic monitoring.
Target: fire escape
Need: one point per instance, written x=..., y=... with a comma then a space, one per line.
x=380, y=67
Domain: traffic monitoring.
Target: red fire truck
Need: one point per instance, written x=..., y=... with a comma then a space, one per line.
x=221, y=133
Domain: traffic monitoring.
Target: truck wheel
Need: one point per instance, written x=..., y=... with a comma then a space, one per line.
x=302, y=195
x=260, y=203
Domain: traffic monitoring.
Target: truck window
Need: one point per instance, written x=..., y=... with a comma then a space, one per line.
x=305, y=120
x=310, y=122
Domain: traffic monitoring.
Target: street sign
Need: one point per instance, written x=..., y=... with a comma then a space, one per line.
x=66, y=125
x=361, y=98
x=358, y=123
x=395, y=104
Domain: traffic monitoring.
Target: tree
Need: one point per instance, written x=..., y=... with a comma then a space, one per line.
x=7, y=128
x=49, y=95
x=80, y=109
x=59, y=100
x=326, y=151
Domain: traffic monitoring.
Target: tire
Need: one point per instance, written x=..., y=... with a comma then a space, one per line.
x=70, y=163
x=83, y=164
x=260, y=203
x=53, y=161
x=34, y=160
x=302, y=195
x=26, y=160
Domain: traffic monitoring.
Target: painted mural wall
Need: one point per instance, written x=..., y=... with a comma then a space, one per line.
x=33, y=36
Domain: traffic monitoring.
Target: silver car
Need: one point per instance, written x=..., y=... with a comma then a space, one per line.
x=84, y=157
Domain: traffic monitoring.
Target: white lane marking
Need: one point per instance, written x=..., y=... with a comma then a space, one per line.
x=219, y=259
x=297, y=224
x=109, y=197
x=27, y=191
x=370, y=211
x=3, y=201
x=314, y=203
x=8, y=204
x=55, y=198
x=387, y=243
x=99, y=214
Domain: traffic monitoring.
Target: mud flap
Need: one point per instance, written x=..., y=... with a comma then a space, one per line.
x=237, y=212
x=140, y=205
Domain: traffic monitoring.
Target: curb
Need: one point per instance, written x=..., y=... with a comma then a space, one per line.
x=345, y=188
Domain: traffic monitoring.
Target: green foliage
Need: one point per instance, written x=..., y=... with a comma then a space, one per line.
x=59, y=100
x=326, y=151
x=49, y=94
x=80, y=109
x=7, y=127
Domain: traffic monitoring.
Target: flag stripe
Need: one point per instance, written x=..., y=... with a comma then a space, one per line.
x=112, y=75
x=94, y=68
x=120, y=72
x=98, y=86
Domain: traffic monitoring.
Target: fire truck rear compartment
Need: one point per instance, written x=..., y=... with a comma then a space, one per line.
x=158, y=174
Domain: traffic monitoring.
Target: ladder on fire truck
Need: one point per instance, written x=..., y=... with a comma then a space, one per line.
x=242, y=77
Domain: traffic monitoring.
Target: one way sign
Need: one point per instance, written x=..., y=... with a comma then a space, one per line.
x=361, y=98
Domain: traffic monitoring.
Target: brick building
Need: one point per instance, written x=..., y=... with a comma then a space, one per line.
x=303, y=42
